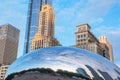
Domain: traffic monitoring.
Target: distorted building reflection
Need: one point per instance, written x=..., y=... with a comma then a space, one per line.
x=62, y=63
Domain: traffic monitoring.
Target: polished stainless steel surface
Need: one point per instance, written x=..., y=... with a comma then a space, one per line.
x=69, y=59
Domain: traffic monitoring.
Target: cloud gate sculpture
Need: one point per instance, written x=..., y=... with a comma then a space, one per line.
x=62, y=63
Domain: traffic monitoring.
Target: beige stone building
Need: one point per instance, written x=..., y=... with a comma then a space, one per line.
x=9, y=37
x=85, y=39
x=104, y=40
x=3, y=70
x=45, y=35
x=105, y=50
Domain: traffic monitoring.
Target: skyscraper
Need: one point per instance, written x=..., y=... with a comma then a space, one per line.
x=9, y=37
x=45, y=35
x=34, y=9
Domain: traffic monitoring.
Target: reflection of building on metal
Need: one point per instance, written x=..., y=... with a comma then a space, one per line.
x=9, y=38
x=43, y=63
x=45, y=35
x=47, y=73
x=106, y=75
x=33, y=21
x=97, y=76
x=86, y=40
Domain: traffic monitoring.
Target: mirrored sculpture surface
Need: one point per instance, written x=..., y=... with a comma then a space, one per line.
x=73, y=62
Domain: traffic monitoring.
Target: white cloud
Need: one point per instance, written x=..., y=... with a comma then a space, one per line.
x=15, y=12
x=73, y=12
x=96, y=20
x=91, y=12
x=107, y=30
x=100, y=20
x=96, y=7
x=60, y=29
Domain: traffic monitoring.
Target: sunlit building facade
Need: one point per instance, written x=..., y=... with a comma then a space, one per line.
x=85, y=39
x=45, y=35
x=34, y=9
x=3, y=70
x=9, y=38
x=104, y=40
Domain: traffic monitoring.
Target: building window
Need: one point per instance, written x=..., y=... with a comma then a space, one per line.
x=84, y=47
x=84, y=35
x=85, y=43
x=81, y=36
x=78, y=36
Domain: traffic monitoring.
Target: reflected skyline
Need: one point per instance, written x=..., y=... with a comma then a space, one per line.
x=65, y=58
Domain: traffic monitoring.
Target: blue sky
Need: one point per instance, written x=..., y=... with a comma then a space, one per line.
x=102, y=15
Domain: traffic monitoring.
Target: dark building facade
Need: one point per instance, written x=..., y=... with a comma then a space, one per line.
x=34, y=9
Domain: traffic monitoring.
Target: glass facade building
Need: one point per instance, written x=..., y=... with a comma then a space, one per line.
x=34, y=9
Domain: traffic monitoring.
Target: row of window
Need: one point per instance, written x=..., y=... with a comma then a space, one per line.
x=4, y=67
x=42, y=44
x=83, y=47
x=82, y=43
x=81, y=36
x=81, y=40
x=3, y=70
x=92, y=48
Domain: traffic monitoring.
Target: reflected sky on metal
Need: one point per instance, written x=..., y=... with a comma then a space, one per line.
x=65, y=58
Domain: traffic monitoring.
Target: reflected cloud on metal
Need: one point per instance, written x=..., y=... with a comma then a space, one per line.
x=68, y=59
